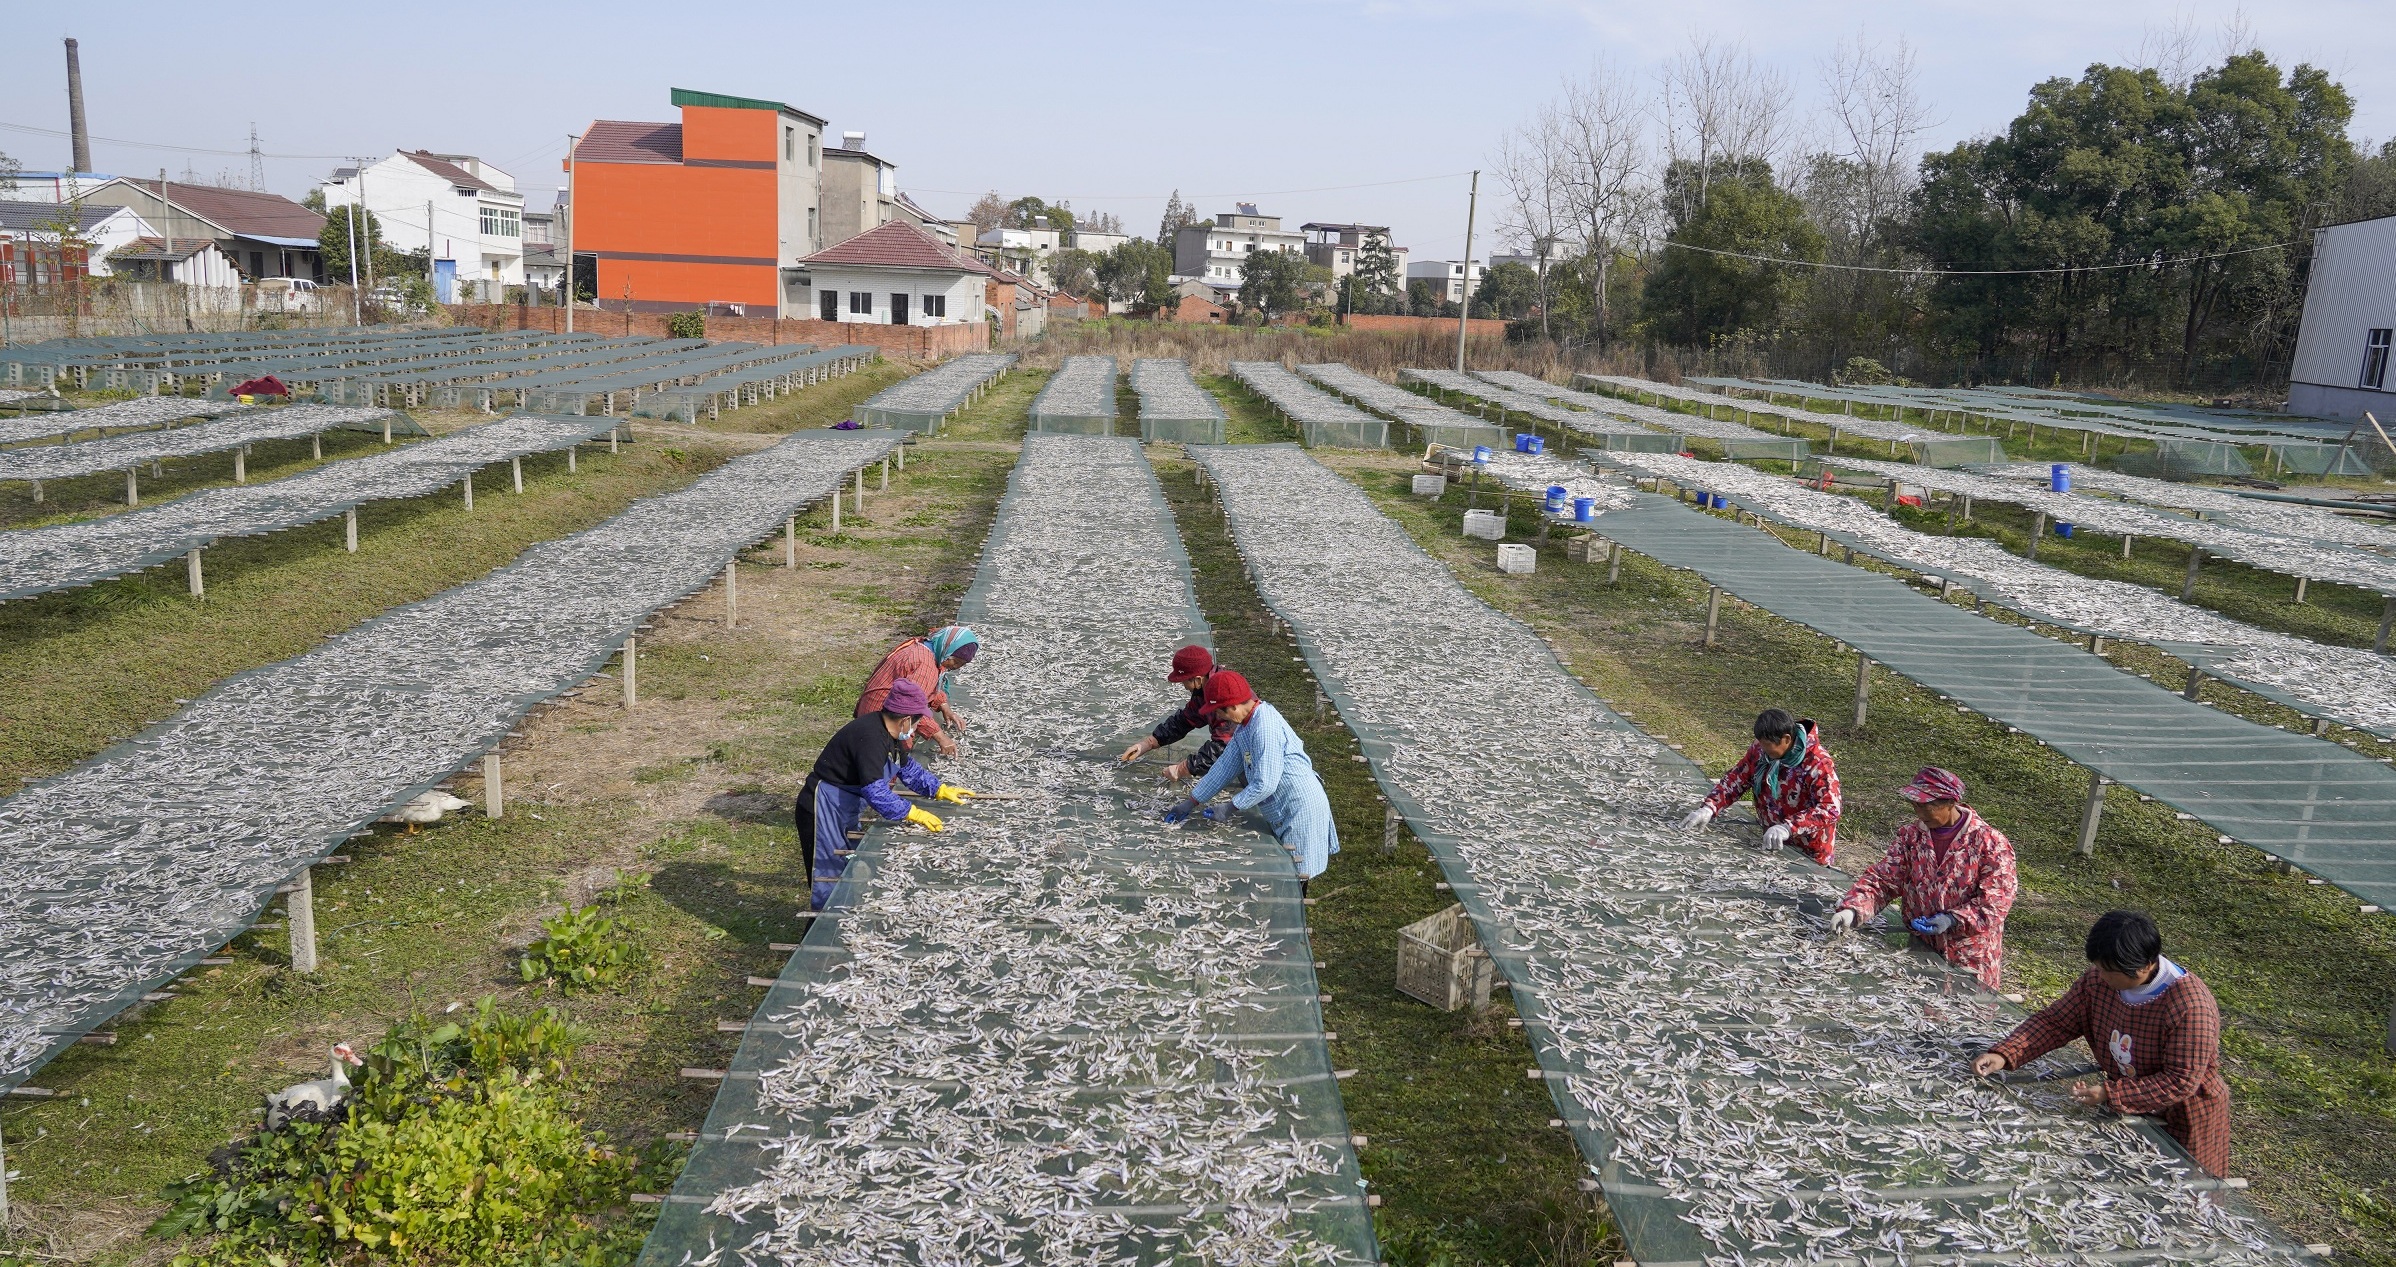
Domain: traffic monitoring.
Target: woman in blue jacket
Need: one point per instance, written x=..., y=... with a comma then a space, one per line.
x=1281, y=782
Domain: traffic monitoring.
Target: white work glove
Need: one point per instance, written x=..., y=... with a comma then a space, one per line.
x=1698, y=818
x=1776, y=835
x=1842, y=921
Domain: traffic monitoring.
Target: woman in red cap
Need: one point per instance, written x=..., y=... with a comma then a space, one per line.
x=1281, y=782
x=1954, y=872
x=1193, y=668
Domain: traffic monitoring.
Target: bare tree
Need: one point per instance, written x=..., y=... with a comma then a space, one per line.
x=1874, y=102
x=1535, y=166
x=2170, y=48
x=987, y=212
x=1719, y=106
x=1602, y=129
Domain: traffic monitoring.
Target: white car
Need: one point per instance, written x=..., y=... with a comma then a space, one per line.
x=286, y=294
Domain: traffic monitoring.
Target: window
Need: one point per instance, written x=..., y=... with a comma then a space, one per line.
x=258, y=269
x=861, y=301
x=935, y=305
x=502, y=222
x=828, y=304
x=811, y=149
x=790, y=144
x=811, y=226
x=2375, y=359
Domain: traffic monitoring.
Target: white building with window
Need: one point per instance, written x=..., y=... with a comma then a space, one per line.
x=2343, y=349
x=1216, y=251
x=897, y=274
x=1450, y=278
x=476, y=228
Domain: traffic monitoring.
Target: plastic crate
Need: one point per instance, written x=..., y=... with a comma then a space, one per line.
x=1430, y=485
x=1517, y=559
x=1440, y=961
x=1487, y=525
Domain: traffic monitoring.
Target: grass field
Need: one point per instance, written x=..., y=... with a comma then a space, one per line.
x=2302, y=978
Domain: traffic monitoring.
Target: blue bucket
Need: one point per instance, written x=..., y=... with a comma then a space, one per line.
x=1557, y=492
x=1584, y=509
x=2059, y=479
x=1520, y=439
x=1533, y=445
x=1481, y=454
x=2063, y=530
x=1720, y=502
x=1555, y=505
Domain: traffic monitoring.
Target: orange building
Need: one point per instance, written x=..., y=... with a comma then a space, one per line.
x=716, y=209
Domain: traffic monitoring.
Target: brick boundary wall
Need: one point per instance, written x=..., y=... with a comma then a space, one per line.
x=913, y=343
x=1477, y=327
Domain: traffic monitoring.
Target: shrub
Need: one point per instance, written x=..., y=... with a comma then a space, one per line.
x=686, y=325
x=456, y=1146
x=580, y=950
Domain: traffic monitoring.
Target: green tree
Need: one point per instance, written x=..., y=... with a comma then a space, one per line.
x=1073, y=271
x=1508, y=292
x=1027, y=212
x=1377, y=266
x=1714, y=278
x=1273, y=282
x=1178, y=215
x=1135, y=273
x=1424, y=300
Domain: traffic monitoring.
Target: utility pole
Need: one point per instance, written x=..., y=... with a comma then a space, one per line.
x=1464, y=311
x=257, y=162
x=356, y=315
x=368, y=212
x=75, y=123
x=432, y=271
x=568, y=288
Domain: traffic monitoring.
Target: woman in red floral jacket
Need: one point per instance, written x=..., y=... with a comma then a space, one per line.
x=1796, y=786
x=1954, y=872
x=2155, y=1030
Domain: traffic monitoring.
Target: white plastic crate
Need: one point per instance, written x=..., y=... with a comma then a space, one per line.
x=1487, y=525
x=1430, y=485
x=1517, y=559
x=1440, y=961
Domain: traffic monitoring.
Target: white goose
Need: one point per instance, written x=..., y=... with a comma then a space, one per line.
x=318, y=1097
x=428, y=807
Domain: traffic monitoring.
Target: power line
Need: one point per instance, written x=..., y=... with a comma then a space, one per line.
x=153, y=145
x=1975, y=272
x=1236, y=193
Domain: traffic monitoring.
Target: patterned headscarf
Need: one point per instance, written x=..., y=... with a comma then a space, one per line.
x=952, y=640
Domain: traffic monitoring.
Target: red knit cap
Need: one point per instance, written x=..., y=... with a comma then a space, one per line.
x=1226, y=689
x=1190, y=664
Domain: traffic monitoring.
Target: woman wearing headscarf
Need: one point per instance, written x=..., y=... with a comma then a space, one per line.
x=1952, y=870
x=1796, y=786
x=1281, y=782
x=927, y=662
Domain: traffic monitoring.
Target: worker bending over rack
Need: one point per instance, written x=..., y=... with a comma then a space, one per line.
x=1796, y=786
x=1193, y=668
x=927, y=661
x=857, y=770
x=2155, y=1031
x=1953, y=872
x=1280, y=778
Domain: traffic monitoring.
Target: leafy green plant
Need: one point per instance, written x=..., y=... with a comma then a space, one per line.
x=580, y=950
x=457, y=1145
x=686, y=325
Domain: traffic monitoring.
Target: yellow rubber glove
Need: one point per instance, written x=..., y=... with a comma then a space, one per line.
x=953, y=794
x=920, y=818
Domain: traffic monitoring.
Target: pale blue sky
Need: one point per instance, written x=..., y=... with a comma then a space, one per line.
x=1110, y=106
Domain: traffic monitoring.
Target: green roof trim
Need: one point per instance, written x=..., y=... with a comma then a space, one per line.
x=726, y=101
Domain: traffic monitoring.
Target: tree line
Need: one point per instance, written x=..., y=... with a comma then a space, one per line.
x=2138, y=218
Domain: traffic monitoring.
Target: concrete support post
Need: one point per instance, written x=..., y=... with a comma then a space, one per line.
x=2196, y=682
x=900, y=452
x=885, y=475
x=191, y=571
x=299, y=905
x=132, y=486
x=2091, y=811
x=836, y=511
x=2038, y=529
x=37, y=492
x=316, y=446
x=1389, y=829
x=515, y=466
x=632, y=669
x=611, y=439
x=2300, y=583
x=2125, y=545
x=2096, y=644
x=1713, y=612
x=860, y=490
x=468, y=485
x=1613, y=562
x=349, y=529
x=732, y=594
x=571, y=451
x=386, y=431
x=494, y=792
x=790, y=542
x=1863, y=688
x=2196, y=559
x=241, y=464
x=2387, y=617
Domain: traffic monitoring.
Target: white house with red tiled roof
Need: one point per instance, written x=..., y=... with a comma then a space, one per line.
x=476, y=217
x=897, y=274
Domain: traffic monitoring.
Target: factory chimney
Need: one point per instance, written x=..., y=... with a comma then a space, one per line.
x=83, y=136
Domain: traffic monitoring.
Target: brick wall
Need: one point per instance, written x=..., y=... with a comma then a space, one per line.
x=1477, y=327
x=913, y=343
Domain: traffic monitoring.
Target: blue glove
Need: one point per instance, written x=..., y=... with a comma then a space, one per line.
x=1187, y=807
x=1216, y=813
x=1933, y=925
